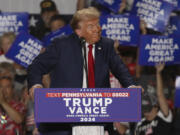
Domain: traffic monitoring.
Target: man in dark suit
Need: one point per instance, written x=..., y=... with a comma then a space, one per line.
x=66, y=58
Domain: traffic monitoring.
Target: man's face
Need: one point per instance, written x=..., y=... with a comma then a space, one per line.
x=46, y=16
x=90, y=30
x=57, y=24
x=6, y=44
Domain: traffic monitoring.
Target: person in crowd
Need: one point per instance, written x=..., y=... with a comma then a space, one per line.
x=56, y=22
x=122, y=7
x=157, y=115
x=7, y=69
x=30, y=125
x=6, y=41
x=11, y=111
x=176, y=123
x=48, y=9
x=129, y=5
x=127, y=56
x=64, y=59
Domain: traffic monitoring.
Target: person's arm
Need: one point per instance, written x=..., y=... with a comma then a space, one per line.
x=138, y=67
x=80, y=4
x=121, y=128
x=12, y=113
x=31, y=90
x=35, y=131
x=160, y=94
x=122, y=6
x=143, y=32
x=46, y=80
x=43, y=64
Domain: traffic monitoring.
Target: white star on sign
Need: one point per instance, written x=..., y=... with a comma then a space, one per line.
x=33, y=21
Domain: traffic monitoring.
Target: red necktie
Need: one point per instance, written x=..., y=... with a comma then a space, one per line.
x=91, y=80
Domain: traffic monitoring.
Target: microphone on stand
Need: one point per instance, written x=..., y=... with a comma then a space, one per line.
x=83, y=44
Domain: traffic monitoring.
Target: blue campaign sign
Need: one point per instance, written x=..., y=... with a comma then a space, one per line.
x=177, y=93
x=66, y=30
x=176, y=4
x=173, y=27
x=155, y=13
x=154, y=49
x=87, y=105
x=113, y=5
x=24, y=49
x=13, y=22
x=125, y=29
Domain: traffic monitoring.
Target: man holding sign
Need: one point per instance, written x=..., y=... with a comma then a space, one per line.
x=80, y=60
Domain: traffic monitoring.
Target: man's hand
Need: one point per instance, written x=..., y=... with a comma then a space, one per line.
x=31, y=91
x=35, y=131
x=137, y=87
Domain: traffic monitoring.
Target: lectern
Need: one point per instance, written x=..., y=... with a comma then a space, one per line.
x=88, y=110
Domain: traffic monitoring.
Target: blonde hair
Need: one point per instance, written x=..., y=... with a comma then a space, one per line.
x=84, y=14
x=9, y=35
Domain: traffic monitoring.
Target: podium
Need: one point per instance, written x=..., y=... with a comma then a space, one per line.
x=88, y=110
x=88, y=130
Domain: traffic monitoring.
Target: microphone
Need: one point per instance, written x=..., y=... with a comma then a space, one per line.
x=83, y=44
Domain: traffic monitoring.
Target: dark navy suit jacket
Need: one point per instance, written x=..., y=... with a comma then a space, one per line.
x=64, y=59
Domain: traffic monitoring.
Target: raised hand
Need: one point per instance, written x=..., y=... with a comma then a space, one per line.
x=160, y=66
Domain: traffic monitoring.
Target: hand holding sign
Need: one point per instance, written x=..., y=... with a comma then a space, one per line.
x=24, y=49
x=32, y=89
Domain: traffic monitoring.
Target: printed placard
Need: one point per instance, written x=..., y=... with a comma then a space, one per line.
x=173, y=27
x=125, y=29
x=112, y=5
x=176, y=4
x=155, y=13
x=13, y=22
x=87, y=105
x=66, y=30
x=24, y=49
x=155, y=49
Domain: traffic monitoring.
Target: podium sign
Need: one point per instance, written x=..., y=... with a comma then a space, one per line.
x=87, y=105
